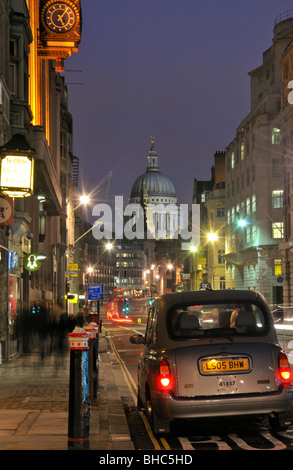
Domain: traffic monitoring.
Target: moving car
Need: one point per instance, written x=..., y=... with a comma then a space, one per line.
x=118, y=310
x=212, y=354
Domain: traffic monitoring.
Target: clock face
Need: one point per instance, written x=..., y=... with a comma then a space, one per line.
x=60, y=17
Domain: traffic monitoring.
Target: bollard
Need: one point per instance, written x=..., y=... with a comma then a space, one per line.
x=95, y=361
x=79, y=407
x=91, y=330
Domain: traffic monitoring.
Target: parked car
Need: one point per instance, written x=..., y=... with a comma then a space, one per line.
x=212, y=354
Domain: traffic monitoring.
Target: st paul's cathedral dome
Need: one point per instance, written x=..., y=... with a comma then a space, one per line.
x=153, y=186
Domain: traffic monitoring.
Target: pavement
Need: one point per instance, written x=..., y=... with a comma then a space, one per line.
x=34, y=403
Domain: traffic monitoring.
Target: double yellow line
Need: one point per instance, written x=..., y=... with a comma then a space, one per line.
x=133, y=391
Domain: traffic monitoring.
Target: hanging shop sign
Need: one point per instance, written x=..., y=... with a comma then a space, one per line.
x=16, y=178
x=6, y=210
x=33, y=261
x=17, y=167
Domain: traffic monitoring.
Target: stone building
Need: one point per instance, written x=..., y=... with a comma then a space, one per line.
x=254, y=182
x=34, y=114
x=207, y=263
x=283, y=127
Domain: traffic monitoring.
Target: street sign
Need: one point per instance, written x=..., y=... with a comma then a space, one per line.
x=73, y=269
x=95, y=291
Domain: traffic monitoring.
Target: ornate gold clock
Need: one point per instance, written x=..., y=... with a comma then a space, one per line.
x=60, y=28
x=59, y=17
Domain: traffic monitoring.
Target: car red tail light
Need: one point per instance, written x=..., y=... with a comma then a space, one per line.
x=284, y=369
x=165, y=376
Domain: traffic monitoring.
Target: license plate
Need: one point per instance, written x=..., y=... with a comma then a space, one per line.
x=217, y=365
x=227, y=384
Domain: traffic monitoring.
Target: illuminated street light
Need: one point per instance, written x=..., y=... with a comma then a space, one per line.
x=109, y=246
x=212, y=237
x=242, y=223
x=84, y=199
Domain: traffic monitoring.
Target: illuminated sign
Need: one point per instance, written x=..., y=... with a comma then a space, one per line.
x=31, y=262
x=16, y=176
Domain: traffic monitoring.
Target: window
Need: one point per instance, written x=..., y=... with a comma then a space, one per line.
x=277, y=198
x=253, y=233
x=222, y=283
x=277, y=229
x=242, y=150
x=221, y=259
x=248, y=234
x=253, y=203
x=14, y=67
x=220, y=211
x=276, y=136
x=232, y=160
x=151, y=330
x=248, y=206
x=198, y=321
x=278, y=267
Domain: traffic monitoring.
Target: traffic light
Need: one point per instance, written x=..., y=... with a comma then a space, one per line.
x=126, y=308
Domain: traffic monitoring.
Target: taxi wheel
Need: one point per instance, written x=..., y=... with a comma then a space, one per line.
x=139, y=402
x=278, y=422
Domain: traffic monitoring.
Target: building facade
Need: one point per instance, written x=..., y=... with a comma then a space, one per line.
x=207, y=263
x=34, y=113
x=254, y=181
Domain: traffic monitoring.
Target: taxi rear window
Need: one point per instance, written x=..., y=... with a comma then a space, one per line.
x=187, y=321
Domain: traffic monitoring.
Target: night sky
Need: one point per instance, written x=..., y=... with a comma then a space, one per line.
x=175, y=69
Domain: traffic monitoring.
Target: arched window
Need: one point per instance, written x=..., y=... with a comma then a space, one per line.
x=222, y=283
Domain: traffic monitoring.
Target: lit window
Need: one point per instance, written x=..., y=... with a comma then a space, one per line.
x=232, y=160
x=248, y=206
x=253, y=203
x=276, y=136
x=242, y=150
x=248, y=234
x=253, y=233
x=277, y=229
x=277, y=198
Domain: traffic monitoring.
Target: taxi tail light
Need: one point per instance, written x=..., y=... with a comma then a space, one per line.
x=165, y=376
x=284, y=369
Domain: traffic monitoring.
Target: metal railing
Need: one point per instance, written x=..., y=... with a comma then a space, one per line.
x=283, y=16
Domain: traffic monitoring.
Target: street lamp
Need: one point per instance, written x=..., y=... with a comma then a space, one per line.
x=242, y=223
x=84, y=199
x=212, y=237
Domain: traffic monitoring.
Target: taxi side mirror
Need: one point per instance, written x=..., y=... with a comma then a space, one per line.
x=137, y=339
